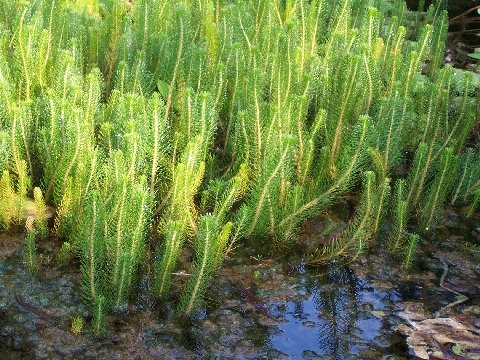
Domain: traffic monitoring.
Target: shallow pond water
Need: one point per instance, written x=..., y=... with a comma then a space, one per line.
x=258, y=311
x=255, y=308
x=342, y=316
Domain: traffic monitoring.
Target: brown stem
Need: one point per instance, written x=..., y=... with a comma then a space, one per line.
x=465, y=13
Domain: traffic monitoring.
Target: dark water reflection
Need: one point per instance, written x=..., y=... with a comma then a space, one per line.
x=336, y=319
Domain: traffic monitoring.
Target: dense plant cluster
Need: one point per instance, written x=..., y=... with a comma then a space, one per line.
x=160, y=124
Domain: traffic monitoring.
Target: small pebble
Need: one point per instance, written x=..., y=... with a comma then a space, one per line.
x=309, y=354
x=309, y=323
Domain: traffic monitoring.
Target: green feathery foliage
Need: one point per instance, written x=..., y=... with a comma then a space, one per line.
x=360, y=231
x=380, y=210
x=4, y=150
x=419, y=167
x=40, y=223
x=399, y=216
x=90, y=242
x=23, y=187
x=211, y=242
x=99, y=315
x=409, y=250
x=13, y=203
x=154, y=125
x=180, y=218
x=439, y=189
x=6, y=200
x=125, y=237
x=440, y=25
x=67, y=136
x=326, y=190
x=469, y=178
x=65, y=254
x=30, y=251
x=78, y=187
x=475, y=202
x=174, y=236
x=209, y=247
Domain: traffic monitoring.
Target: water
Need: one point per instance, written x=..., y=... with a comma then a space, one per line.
x=327, y=313
x=255, y=309
x=341, y=317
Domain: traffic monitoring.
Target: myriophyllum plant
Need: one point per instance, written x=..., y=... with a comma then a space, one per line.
x=399, y=217
x=156, y=126
x=30, y=251
x=475, y=202
x=7, y=197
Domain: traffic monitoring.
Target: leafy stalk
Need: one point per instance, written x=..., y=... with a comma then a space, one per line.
x=409, y=250
x=399, y=215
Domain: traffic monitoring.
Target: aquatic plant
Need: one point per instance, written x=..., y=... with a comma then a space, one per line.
x=77, y=325
x=90, y=242
x=467, y=182
x=475, y=202
x=409, y=250
x=381, y=208
x=209, y=246
x=125, y=239
x=154, y=126
x=399, y=216
x=65, y=253
x=99, y=315
x=6, y=200
x=353, y=241
x=439, y=189
x=180, y=218
x=40, y=222
x=30, y=251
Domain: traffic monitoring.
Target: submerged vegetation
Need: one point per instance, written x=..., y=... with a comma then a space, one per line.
x=156, y=125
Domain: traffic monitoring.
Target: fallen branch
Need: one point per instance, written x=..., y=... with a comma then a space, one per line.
x=461, y=298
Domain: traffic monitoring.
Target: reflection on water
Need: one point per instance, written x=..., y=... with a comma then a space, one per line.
x=327, y=313
x=331, y=314
x=335, y=319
